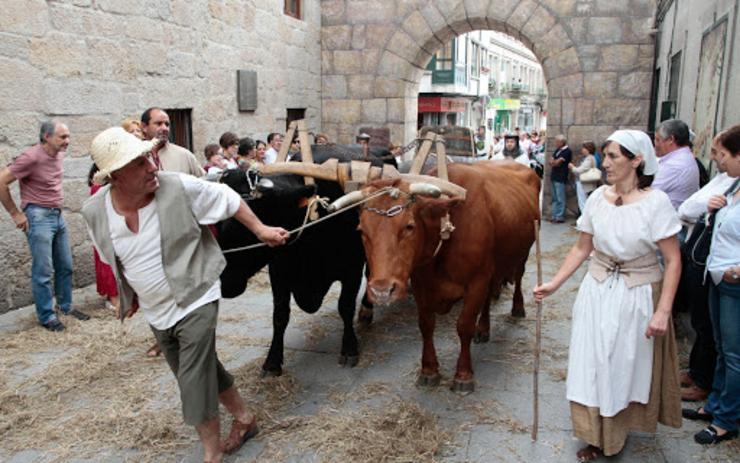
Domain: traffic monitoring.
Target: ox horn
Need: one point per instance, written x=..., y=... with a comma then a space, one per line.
x=425, y=189
x=325, y=171
x=446, y=187
x=347, y=200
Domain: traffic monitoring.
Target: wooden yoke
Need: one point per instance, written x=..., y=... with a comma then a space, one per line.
x=423, y=153
x=283, y=154
x=446, y=227
x=306, y=154
x=441, y=158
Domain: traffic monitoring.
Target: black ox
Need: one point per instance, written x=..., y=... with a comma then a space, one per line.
x=305, y=267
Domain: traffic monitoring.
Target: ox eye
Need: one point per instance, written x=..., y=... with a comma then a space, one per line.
x=410, y=226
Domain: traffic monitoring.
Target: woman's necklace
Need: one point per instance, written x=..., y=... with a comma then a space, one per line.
x=619, y=200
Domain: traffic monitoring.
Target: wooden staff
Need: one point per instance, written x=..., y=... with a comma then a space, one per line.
x=538, y=336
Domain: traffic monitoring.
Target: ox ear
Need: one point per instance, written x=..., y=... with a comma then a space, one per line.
x=436, y=208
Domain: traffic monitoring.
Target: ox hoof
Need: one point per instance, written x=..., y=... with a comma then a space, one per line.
x=481, y=337
x=518, y=313
x=463, y=387
x=349, y=360
x=428, y=380
x=272, y=373
x=365, y=317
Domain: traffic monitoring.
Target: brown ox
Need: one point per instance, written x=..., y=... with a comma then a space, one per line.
x=493, y=233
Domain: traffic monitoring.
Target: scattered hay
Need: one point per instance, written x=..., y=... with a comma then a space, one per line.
x=269, y=393
x=558, y=374
x=373, y=389
x=400, y=431
x=492, y=413
x=370, y=357
x=99, y=393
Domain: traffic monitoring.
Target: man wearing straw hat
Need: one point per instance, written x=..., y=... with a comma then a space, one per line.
x=150, y=226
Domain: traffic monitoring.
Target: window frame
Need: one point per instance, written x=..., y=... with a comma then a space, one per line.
x=293, y=14
x=181, y=126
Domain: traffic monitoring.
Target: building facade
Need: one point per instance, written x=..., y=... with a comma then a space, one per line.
x=454, y=87
x=517, y=89
x=91, y=64
x=696, y=67
x=483, y=78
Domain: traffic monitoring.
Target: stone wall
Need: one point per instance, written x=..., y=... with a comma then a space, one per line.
x=682, y=30
x=597, y=57
x=91, y=63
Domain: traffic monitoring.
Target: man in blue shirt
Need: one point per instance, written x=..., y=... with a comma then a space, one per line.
x=558, y=177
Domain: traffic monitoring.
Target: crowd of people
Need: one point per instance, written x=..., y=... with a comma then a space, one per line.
x=651, y=226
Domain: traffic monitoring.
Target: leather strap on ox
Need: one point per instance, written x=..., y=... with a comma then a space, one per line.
x=446, y=227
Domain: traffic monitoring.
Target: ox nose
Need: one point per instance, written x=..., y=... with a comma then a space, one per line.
x=382, y=291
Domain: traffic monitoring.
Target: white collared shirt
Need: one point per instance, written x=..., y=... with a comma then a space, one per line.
x=140, y=253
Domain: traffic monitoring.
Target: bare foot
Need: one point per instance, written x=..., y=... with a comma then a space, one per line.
x=154, y=351
x=589, y=453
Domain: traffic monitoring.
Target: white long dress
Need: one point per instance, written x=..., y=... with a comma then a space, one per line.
x=610, y=359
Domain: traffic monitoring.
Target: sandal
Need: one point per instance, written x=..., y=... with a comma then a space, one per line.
x=589, y=453
x=240, y=433
x=154, y=351
x=710, y=436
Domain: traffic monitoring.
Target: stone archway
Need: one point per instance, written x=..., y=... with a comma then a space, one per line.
x=597, y=58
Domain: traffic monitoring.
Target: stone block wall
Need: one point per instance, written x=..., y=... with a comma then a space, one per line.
x=597, y=57
x=92, y=63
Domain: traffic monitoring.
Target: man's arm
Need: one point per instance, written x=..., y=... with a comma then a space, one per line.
x=6, y=178
x=273, y=236
x=213, y=202
x=695, y=206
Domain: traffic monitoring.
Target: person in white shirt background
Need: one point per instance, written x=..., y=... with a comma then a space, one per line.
x=275, y=141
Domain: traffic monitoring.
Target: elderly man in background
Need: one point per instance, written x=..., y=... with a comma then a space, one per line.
x=150, y=227
x=155, y=123
x=678, y=174
x=39, y=171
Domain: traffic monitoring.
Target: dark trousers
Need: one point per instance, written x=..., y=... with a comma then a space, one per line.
x=190, y=350
x=703, y=356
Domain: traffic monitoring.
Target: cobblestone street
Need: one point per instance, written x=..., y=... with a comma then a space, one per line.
x=123, y=395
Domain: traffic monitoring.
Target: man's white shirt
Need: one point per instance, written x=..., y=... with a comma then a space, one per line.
x=140, y=253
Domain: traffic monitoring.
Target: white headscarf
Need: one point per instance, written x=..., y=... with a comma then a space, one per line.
x=637, y=142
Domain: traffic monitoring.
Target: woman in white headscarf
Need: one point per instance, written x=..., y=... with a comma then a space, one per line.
x=622, y=362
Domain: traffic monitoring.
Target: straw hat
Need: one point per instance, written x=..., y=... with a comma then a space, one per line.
x=113, y=148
